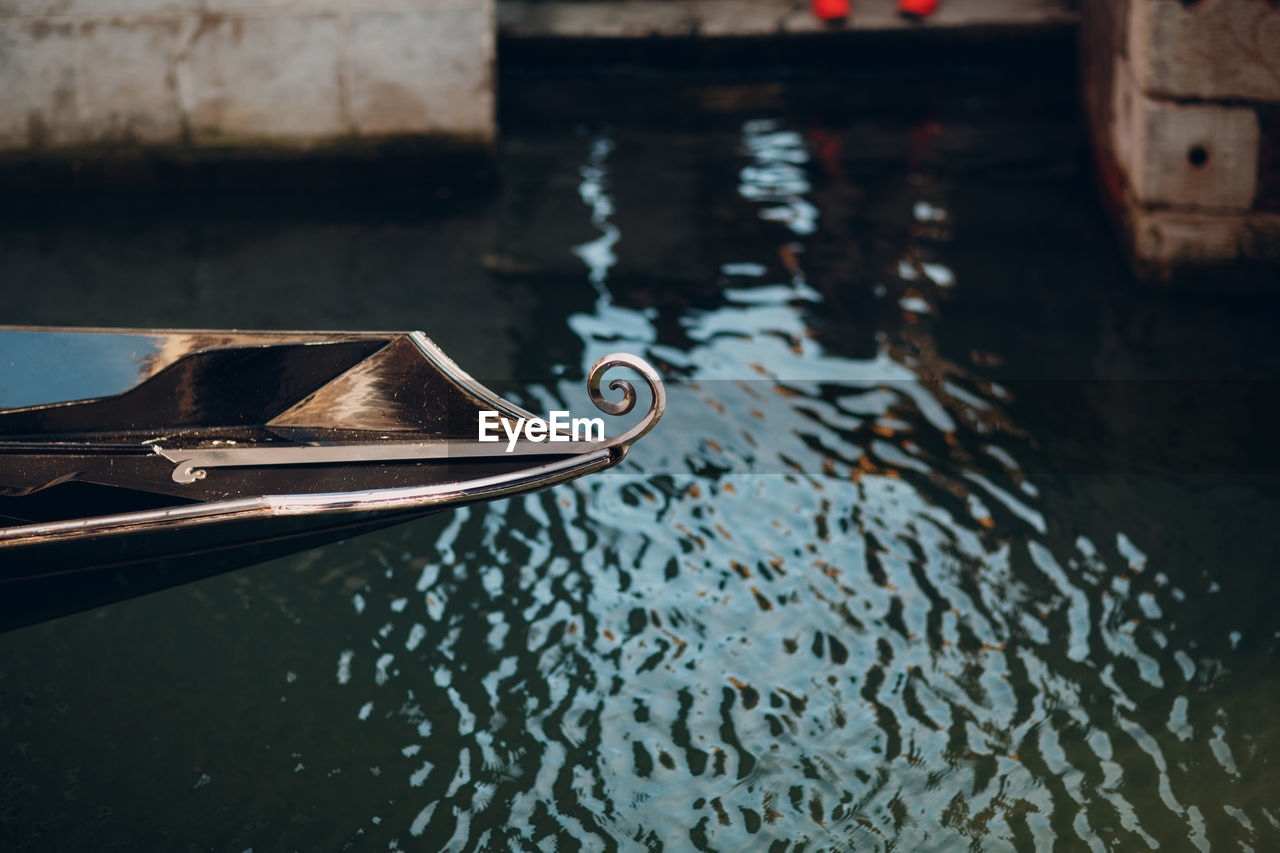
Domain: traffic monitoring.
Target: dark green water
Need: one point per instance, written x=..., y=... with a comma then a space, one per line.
x=951, y=538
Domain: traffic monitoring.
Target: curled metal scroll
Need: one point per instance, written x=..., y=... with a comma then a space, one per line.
x=628, y=401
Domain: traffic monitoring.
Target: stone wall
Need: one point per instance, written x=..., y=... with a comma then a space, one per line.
x=232, y=73
x=1183, y=103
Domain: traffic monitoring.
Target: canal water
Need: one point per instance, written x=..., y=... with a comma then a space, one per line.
x=951, y=538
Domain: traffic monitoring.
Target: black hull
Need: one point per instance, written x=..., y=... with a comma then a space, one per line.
x=181, y=455
x=52, y=596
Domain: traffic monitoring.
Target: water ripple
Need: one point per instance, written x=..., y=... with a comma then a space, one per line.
x=826, y=608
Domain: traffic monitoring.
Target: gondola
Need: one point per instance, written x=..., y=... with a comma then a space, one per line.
x=134, y=460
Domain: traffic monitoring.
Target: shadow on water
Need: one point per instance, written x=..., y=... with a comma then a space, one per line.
x=950, y=538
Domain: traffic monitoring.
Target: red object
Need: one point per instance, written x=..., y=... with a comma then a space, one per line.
x=918, y=8
x=831, y=10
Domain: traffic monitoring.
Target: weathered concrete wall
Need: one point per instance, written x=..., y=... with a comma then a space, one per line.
x=1183, y=102
x=214, y=73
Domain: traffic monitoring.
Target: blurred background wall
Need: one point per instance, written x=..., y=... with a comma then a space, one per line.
x=292, y=73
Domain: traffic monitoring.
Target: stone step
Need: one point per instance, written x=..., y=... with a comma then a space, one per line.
x=640, y=19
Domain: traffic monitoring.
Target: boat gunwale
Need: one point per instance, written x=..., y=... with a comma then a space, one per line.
x=400, y=500
x=268, y=506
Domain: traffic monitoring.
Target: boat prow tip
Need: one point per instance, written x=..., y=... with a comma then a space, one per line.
x=657, y=406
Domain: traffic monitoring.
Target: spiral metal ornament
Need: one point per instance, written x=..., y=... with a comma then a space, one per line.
x=628, y=401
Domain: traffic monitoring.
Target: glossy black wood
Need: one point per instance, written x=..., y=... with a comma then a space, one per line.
x=206, y=390
x=93, y=446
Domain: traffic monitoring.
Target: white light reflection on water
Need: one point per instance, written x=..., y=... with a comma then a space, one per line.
x=846, y=593
x=822, y=605
x=607, y=323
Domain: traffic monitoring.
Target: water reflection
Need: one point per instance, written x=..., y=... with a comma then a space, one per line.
x=837, y=599
x=823, y=609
